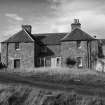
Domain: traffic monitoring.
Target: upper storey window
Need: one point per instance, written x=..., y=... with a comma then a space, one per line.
x=78, y=44
x=16, y=46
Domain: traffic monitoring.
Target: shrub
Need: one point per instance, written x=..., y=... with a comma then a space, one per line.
x=2, y=65
x=70, y=61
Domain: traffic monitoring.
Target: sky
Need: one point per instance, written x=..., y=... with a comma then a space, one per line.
x=52, y=16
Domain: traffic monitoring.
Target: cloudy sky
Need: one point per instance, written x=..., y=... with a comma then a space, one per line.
x=51, y=16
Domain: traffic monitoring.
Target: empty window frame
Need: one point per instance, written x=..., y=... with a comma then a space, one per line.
x=16, y=45
x=78, y=44
x=16, y=63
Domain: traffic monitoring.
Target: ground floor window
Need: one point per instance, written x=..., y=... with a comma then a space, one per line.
x=49, y=61
x=42, y=62
x=16, y=63
x=79, y=62
x=58, y=61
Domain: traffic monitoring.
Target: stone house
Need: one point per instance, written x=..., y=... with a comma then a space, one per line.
x=27, y=50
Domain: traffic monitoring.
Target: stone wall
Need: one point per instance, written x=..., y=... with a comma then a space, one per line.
x=94, y=53
x=103, y=48
x=69, y=49
x=25, y=53
x=4, y=53
x=29, y=53
x=88, y=52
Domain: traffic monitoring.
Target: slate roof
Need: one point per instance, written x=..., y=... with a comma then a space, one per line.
x=77, y=34
x=101, y=41
x=21, y=36
x=49, y=38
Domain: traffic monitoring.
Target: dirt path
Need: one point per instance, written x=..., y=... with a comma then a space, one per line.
x=74, y=86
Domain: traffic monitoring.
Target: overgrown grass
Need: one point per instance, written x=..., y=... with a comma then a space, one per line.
x=63, y=75
x=68, y=76
x=79, y=80
x=26, y=95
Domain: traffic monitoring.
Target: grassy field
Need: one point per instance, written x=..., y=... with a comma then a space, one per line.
x=66, y=79
x=19, y=94
x=64, y=75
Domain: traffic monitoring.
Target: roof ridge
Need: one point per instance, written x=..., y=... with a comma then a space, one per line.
x=49, y=33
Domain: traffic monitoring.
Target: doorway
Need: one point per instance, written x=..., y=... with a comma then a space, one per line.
x=56, y=62
x=17, y=63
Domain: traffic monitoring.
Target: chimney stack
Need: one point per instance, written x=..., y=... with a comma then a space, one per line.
x=27, y=28
x=75, y=25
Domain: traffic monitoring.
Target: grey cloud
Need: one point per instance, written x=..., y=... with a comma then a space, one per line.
x=24, y=1
x=14, y=16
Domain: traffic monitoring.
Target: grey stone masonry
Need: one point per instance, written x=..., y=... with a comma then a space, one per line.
x=25, y=53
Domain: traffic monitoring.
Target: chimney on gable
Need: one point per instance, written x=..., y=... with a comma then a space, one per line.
x=75, y=25
x=27, y=28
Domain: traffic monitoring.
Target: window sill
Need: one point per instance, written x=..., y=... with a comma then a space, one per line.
x=80, y=66
x=79, y=47
x=17, y=49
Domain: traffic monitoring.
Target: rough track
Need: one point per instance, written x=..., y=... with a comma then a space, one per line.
x=74, y=86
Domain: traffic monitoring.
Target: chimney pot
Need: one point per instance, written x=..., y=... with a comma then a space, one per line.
x=75, y=25
x=76, y=21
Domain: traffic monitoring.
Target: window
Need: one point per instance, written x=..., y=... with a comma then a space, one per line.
x=50, y=61
x=42, y=62
x=17, y=63
x=56, y=62
x=16, y=46
x=58, y=59
x=78, y=44
x=79, y=62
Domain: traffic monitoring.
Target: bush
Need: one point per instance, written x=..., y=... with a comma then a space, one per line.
x=70, y=61
x=2, y=65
